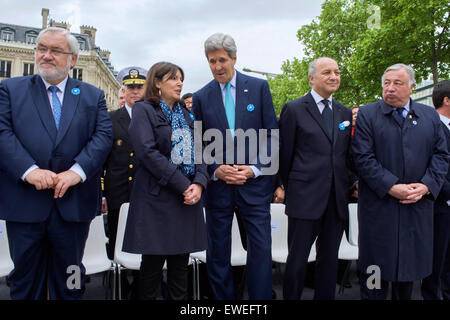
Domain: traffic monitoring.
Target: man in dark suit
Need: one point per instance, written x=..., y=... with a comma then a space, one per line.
x=315, y=135
x=120, y=166
x=230, y=103
x=55, y=134
x=400, y=153
x=440, y=277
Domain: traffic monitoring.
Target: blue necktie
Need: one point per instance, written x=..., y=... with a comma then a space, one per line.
x=56, y=104
x=401, y=113
x=327, y=115
x=229, y=108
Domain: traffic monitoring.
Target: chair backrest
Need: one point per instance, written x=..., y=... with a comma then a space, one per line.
x=95, y=258
x=6, y=264
x=238, y=253
x=126, y=259
x=279, y=224
x=353, y=224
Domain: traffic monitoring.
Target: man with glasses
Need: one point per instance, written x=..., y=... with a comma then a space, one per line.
x=55, y=134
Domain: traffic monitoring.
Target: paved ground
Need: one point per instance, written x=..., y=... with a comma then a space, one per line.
x=97, y=288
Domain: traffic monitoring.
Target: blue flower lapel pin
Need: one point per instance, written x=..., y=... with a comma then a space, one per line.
x=344, y=125
x=76, y=91
x=192, y=116
x=250, y=107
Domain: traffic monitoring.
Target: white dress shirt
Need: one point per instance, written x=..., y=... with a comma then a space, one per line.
x=223, y=87
x=318, y=99
x=60, y=93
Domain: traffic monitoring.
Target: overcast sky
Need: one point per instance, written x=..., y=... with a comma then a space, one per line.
x=144, y=32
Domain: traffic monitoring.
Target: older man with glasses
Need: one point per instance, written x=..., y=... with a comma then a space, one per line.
x=55, y=134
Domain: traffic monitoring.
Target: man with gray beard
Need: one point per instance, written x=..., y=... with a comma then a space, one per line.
x=55, y=134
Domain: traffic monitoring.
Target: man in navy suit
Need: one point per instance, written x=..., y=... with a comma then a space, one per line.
x=55, y=134
x=315, y=133
x=439, y=280
x=230, y=103
x=400, y=153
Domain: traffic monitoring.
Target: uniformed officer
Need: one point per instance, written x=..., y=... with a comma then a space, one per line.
x=121, y=163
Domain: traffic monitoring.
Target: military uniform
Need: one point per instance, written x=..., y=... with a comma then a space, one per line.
x=121, y=163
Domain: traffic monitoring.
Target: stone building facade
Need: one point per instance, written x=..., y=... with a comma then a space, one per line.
x=17, y=44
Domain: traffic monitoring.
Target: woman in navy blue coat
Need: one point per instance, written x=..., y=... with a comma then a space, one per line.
x=165, y=220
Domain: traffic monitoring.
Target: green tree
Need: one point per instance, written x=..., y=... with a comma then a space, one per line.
x=365, y=37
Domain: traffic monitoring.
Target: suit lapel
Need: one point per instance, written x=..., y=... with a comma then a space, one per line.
x=337, y=119
x=42, y=104
x=70, y=104
x=124, y=119
x=241, y=99
x=312, y=108
x=215, y=99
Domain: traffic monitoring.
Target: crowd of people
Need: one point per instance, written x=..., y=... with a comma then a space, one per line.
x=57, y=141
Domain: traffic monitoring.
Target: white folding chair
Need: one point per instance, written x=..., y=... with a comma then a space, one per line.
x=279, y=223
x=346, y=252
x=95, y=258
x=6, y=264
x=353, y=224
x=238, y=254
x=124, y=260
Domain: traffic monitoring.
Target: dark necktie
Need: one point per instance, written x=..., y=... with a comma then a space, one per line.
x=400, y=113
x=327, y=115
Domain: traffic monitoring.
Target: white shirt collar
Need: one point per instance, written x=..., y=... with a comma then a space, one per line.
x=128, y=110
x=61, y=86
x=233, y=82
x=318, y=98
x=445, y=120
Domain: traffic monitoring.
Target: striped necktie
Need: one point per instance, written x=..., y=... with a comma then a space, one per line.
x=56, y=104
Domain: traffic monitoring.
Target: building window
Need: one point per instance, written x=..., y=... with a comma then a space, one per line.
x=77, y=74
x=5, y=69
x=28, y=69
x=82, y=44
x=7, y=35
x=31, y=38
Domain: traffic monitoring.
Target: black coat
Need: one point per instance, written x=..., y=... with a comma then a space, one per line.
x=121, y=163
x=310, y=159
x=397, y=237
x=442, y=204
x=158, y=221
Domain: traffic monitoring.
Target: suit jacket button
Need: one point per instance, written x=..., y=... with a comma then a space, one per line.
x=131, y=154
x=130, y=178
x=131, y=166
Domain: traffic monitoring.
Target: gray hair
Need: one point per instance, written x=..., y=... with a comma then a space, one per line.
x=71, y=40
x=121, y=89
x=221, y=41
x=312, y=66
x=399, y=66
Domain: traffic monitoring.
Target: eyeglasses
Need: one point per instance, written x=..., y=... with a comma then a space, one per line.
x=53, y=52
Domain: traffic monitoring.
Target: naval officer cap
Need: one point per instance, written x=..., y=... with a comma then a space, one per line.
x=132, y=76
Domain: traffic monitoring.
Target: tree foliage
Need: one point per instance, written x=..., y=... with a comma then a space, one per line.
x=365, y=37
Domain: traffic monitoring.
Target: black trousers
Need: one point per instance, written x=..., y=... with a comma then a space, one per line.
x=400, y=290
x=150, y=276
x=439, y=281
x=301, y=234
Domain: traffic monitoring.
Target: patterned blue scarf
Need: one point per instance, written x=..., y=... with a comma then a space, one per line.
x=182, y=153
